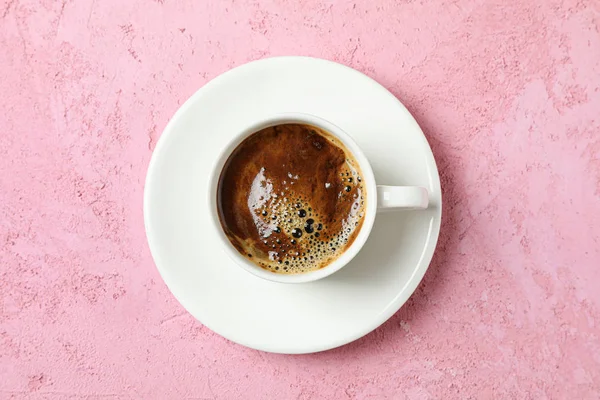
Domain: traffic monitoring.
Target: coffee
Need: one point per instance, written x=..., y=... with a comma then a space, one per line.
x=290, y=198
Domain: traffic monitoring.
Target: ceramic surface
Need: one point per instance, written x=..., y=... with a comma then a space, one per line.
x=266, y=315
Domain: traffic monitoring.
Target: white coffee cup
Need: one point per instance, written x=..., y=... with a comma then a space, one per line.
x=379, y=198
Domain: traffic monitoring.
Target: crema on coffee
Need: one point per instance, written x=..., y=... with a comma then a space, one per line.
x=290, y=198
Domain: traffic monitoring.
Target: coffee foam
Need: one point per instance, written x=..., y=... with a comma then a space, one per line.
x=280, y=193
x=298, y=237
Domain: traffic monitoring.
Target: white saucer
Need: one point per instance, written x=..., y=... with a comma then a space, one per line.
x=275, y=317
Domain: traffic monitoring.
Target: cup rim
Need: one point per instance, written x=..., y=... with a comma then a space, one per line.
x=368, y=181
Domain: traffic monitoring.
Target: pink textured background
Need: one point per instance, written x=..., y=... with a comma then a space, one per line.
x=507, y=92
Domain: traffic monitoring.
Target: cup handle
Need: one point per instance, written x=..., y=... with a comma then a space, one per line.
x=402, y=198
